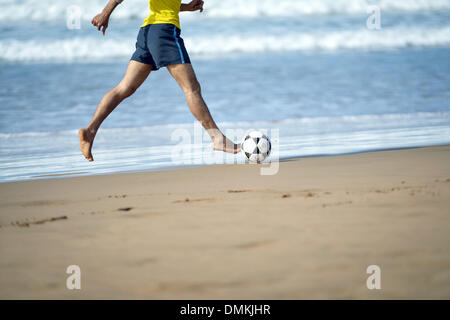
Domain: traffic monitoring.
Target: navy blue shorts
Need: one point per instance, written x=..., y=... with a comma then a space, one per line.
x=160, y=45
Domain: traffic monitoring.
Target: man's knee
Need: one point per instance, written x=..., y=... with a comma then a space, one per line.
x=124, y=91
x=193, y=88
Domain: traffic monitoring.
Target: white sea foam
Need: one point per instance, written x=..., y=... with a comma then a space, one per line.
x=47, y=10
x=308, y=125
x=323, y=41
x=293, y=8
x=92, y=49
x=75, y=49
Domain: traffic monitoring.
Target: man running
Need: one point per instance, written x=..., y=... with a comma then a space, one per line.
x=158, y=45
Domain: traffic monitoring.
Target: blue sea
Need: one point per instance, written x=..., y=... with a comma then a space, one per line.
x=310, y=71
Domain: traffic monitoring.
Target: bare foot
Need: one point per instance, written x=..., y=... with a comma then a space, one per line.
x=86, y=142
x=226, y=145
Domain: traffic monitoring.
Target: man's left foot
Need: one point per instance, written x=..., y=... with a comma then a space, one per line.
x=86, y=141
x=226, y=145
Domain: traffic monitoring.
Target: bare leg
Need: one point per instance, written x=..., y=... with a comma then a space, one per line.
x=185, y=76
x=135, y=75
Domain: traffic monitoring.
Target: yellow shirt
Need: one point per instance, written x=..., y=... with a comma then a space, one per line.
x=163, y=11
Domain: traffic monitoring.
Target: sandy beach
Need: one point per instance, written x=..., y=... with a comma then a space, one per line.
x=226, y=232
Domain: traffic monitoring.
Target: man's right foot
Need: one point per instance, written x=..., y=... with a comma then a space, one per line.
x=222, y=143
x=86, y=141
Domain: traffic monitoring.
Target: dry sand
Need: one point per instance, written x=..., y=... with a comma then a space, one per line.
x=225, y=232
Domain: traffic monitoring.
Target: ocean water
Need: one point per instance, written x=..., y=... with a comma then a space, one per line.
x=309, y=72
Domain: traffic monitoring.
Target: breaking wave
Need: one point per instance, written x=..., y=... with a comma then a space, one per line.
x=96, y=49
x=47, y=10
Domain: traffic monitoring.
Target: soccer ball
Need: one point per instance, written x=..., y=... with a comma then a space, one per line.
x=256, y=146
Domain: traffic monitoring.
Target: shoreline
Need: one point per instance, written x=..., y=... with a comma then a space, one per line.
x=182, y=167
x=226, y=232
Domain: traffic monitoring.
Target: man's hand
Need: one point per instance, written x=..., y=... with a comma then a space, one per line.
x=101, y=22
x=194, y=5
x=102, y=19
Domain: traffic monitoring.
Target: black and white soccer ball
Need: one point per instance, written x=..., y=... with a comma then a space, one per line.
x=256, y=146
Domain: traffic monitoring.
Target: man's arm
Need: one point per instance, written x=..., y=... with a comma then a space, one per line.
x=102, y=19
x=194, y=5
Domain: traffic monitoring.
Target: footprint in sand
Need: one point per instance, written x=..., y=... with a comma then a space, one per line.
x=187, y=200
x=254, y=244
x=125, y=209
x=336, y=204
x=118, y=196
x=238, y=191
x=44, y=203
x=42, y=221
